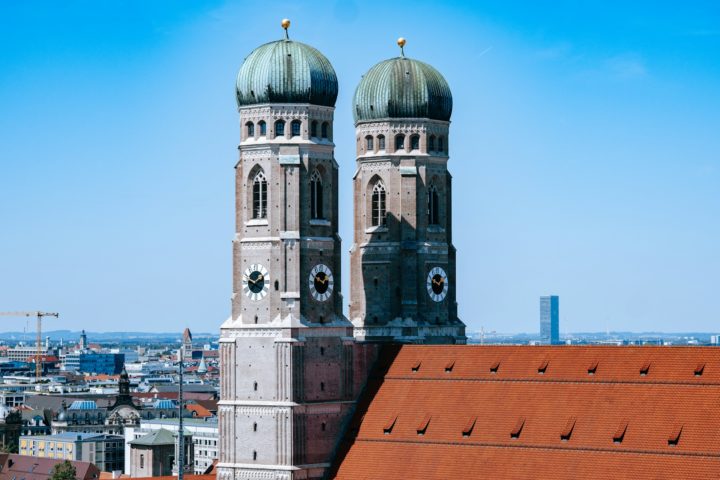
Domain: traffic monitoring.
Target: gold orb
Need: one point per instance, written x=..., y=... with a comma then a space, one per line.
x=285, y=23
x=401, y=42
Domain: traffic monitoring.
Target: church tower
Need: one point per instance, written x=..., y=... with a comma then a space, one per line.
x=402, y=259
x=286, y=351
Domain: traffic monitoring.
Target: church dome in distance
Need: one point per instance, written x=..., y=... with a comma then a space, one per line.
x=285, y=71
x=402, y=88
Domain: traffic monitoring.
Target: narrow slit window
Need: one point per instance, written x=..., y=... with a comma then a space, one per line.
x=620, y=432
x=422, y=428
x=416, y=366
x=699, y=369
x=389, y=425
x=567, y=431
x=469, y=426
x=592, y=368
x=259, y=193
x=645, y=369
x=449, y=366
x=316, y=196
x=433, y=207
x=674, y=437
x=495, y=367
x=378, y=205
x=517, y=430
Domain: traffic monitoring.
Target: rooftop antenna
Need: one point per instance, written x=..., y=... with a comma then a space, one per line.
x=285, y=24
x=401, y=43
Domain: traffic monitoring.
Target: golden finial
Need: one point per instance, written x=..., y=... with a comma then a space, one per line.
x=285, y=24
x=401, y=43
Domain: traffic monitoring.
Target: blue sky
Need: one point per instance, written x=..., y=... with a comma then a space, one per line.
x=584, y=148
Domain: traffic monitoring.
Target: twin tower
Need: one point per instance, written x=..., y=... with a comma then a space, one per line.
x=292, y=364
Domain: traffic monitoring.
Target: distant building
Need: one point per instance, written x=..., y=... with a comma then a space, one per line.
x=91, y=362
x=154, y=454
x=204, y=437
x=22, y=353
x=187, y=346
x=105, y=451
x=550, y=319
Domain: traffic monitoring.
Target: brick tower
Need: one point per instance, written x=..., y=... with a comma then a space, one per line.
x=286, y=351
x=402, y=259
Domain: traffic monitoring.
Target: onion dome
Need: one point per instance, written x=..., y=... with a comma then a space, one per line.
x=286, y=72
x=402, y=87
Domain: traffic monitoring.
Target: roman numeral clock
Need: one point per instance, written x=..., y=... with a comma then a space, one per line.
x=321, y=282
x=256, y=282
x=437, y=284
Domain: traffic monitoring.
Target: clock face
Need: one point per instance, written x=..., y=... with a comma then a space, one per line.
x=321, y=282
x=256, y=282
x=437, y=284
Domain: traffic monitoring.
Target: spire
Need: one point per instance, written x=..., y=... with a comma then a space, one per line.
x=401, y=43
x=285, y=24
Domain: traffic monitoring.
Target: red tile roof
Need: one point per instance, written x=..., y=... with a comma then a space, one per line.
x=26, y=467
x=507, y=412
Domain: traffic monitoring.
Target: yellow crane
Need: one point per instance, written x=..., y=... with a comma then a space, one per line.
x=38, y=338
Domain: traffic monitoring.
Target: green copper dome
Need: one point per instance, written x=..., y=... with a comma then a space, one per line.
x=286, y=72
x=402, y=88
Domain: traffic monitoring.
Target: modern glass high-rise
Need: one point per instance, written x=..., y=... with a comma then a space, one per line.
x=550, y=319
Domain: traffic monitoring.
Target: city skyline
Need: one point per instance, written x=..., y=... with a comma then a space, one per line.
x=582, y=152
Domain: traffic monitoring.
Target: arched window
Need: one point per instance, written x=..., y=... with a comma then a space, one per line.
x=441, y=144
x=295, y=128
x=433, y=206
x=250, y=129
x=378, y=205
x=263, y=128
x=415, y=142
x=259, y=190
x=280, y=128
x=324, y=130
x=369, y=143
x=313, y=128
x=399, y=143
x=431, y=143
x=316, y=195
x=381, y=142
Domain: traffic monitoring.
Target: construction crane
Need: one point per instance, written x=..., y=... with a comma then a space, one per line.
x=38, y=338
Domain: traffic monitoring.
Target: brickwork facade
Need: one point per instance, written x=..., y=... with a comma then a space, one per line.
x=402, y=251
